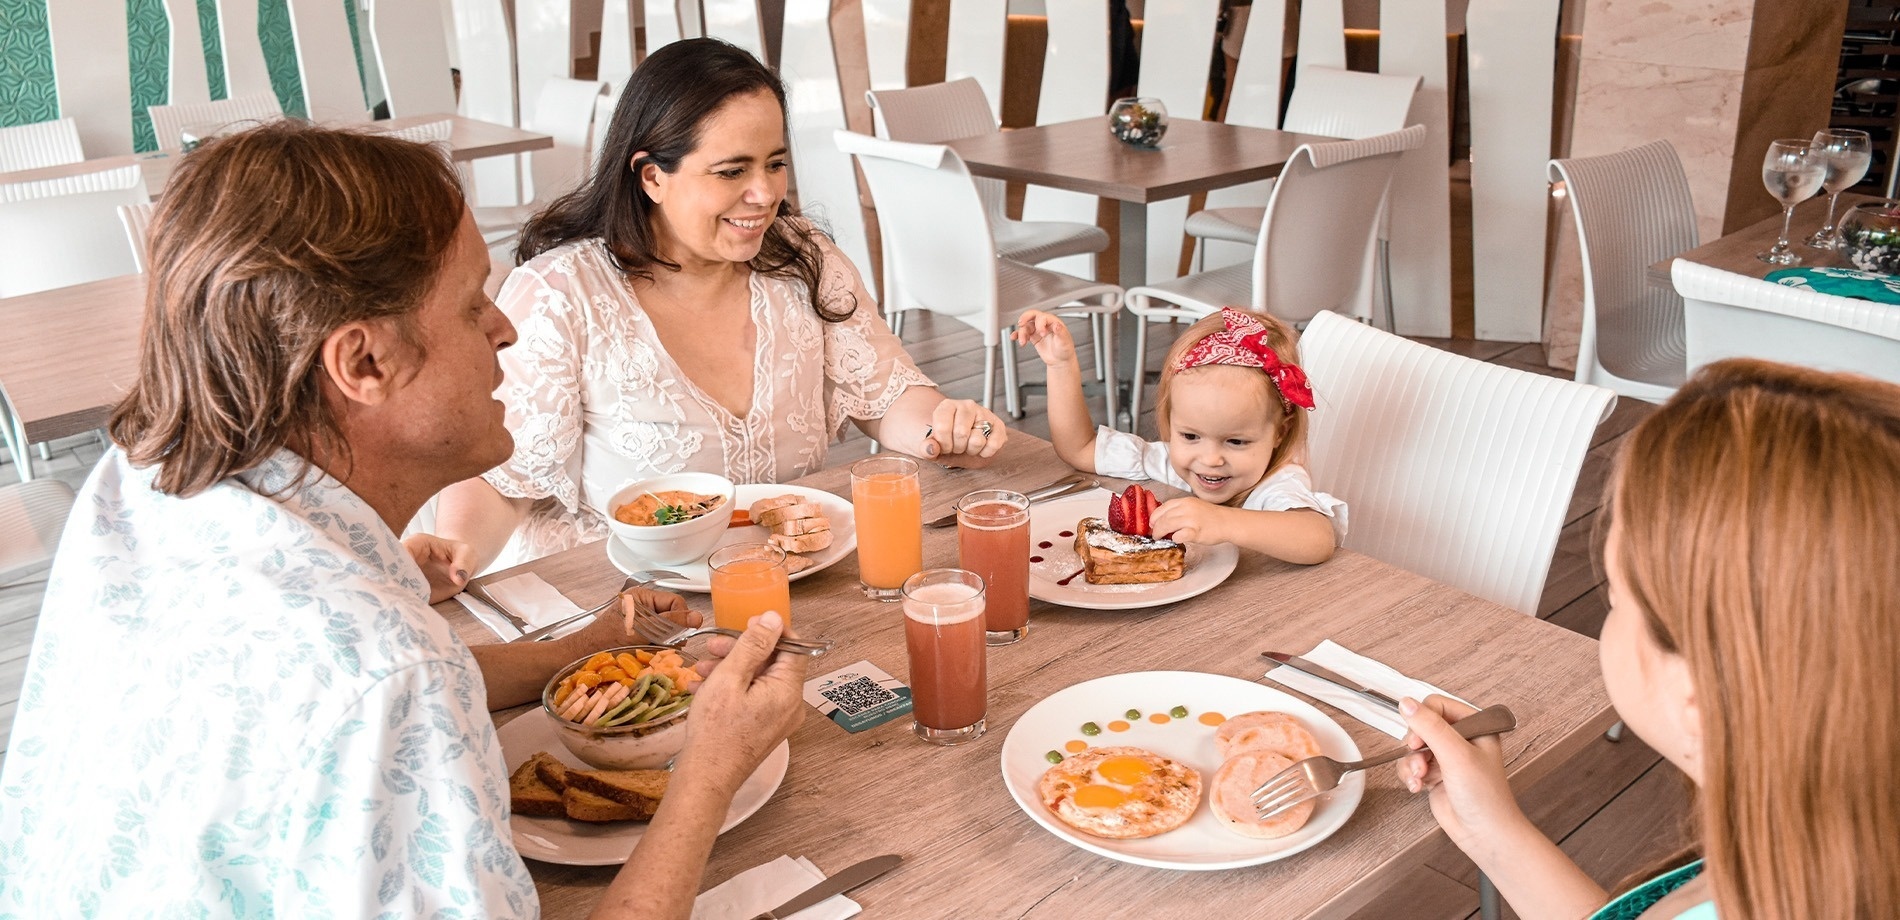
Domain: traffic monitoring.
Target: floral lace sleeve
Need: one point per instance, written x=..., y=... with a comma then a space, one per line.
x=866, y=367
x=541, y=385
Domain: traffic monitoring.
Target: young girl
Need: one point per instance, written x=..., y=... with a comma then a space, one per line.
x=1754, y=569
x=1231, y=411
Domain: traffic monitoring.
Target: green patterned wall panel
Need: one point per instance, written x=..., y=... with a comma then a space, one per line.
x=214, y=48
x=26, y=64
x=280, y=55
x=148, y=41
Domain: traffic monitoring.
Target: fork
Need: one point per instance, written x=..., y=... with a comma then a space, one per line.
x=1316, y=776
x=659, y=630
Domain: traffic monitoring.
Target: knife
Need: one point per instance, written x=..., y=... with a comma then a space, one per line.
x=1061, y=488
x=835, y=885
x=1300, y=664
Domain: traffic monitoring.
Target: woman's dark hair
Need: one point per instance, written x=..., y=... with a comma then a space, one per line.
x=662, y=109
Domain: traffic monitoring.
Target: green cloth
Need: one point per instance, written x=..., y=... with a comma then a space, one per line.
x=1641, y=898
x=1841, y=282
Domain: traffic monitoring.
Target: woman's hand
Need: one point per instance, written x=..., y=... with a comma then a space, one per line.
x=1470, y=796
x=445, y=563
x=751, y=701
x=963, y=433
x=1050, y=336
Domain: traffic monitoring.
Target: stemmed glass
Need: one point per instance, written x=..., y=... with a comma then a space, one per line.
x=1847, y=153
x=1792, y=171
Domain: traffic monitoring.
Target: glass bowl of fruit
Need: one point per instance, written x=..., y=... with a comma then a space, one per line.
x=1870, y=236
x=623, y=708
x=1139, y=121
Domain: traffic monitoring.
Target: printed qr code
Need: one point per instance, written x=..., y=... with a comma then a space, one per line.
x=858, y=695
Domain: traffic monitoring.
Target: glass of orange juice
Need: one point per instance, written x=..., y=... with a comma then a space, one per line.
x=887, y=505
x=748, y=579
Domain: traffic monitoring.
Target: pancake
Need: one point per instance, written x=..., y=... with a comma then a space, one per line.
x=1232, y=797
x=1266, y=730
x=1121, y=792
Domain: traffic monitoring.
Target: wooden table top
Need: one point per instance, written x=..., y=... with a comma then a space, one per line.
x=1082, y=156
x=1736, y=251
x=70, y=353
x=847, y=797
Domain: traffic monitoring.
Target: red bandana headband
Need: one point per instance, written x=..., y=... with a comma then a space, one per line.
x=1244, y=344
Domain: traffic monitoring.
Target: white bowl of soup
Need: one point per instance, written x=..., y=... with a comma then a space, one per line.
x=672, y=520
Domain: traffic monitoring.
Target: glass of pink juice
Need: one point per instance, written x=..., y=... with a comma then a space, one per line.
x=943, y=631
x=887, y=505
x=993, y=542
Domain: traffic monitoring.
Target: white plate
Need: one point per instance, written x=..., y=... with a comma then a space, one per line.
x=1202, y=843
x=577, y=843
x=844, y=538
x=1206, y=566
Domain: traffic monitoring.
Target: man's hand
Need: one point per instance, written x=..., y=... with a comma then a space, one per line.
x=445, y=563
x=751, y=700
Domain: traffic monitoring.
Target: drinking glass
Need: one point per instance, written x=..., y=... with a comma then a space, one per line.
x=748, y=579
x=887, y=505
x=1846, y=153
x=943, y=632
x=1792, y=171
x=993, y=542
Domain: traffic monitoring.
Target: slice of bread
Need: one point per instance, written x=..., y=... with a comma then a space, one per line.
x=528, y=795
x=801, y=526
x=802, y=543
x=797, y=511
x=586, y=806
x=795, y=563
x=637, y=789
x=766, y=504
x=551, y=770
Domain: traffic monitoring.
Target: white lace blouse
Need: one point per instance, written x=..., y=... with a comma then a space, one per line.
x=595, y=402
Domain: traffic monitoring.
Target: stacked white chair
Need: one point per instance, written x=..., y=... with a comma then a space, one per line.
x=1312, y=254
x=45, y=143
x=326, y=62
x=938, y=235
x=412, y=51
x=169, y=122
x=1455, y=469
x=564, y=112
x=1633, y=210
x=137, y=219
x=51, y=229
x=1727, y=315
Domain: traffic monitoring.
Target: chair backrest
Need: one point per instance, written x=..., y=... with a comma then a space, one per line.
x=326, y=61
x=51, y=229
x=936, y=232
x=92, y=71
x=428, y=132
x=137, y=219
x=1455, y=469
x=1347, y=103
x=32, y=516
x=827, y=184
x=412, y=50
x=1317, y=236
x=564, y=112
x=169, y=122
x=978, y=30
x=887, y=42
x=1632, y=209
x=186, y=80
x=603, y=116
x=45, y=143
x=245, y=71
x=937, y=113
x=1727, y=315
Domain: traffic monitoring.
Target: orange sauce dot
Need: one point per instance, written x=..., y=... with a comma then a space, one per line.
x=1159, y=718
x=1118, y=726
x=1212, y=718
x=1076, y=747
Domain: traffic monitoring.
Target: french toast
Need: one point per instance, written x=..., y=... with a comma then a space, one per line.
x=1110, y=558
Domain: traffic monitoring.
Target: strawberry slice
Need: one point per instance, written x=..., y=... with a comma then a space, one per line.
x=1141, y=526
x=1131, y=511
x=1117, y=514
x=1148, y=505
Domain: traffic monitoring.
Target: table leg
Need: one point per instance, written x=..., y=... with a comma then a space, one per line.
x=1133, y=272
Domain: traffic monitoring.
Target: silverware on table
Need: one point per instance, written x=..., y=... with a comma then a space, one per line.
x=1315, y=776
x=659, y=630
x=837, y=884
x=639, y=579
x=475, y=590
x=1061, y=488
x=1332, y=677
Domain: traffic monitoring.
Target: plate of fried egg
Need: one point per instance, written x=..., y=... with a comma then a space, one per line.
x=1156, y=768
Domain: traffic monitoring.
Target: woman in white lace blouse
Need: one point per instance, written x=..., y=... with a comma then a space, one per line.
x=675, y=314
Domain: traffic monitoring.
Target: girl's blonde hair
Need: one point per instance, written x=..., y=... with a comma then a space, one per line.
x=1291, y=424
x=1759, y=523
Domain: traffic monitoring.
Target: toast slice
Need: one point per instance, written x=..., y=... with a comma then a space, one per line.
x=760, y=507
x=637, y=789
x=1111, y=558
x=799, y=526
x=795, y=563
x=586, y=806
x=551, y=770
x=529, y=795
x=775, y=516
x=802, y=543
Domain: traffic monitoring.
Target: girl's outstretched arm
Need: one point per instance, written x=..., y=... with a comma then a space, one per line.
x=1302, y=536
x=1071, y=429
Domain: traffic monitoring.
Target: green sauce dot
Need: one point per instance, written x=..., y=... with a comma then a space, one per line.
x=1132, y=715
x=1053, y=757
x=1179, y=712
x=1090, y=728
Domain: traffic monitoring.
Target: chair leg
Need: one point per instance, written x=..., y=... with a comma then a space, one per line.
x=1097, y=322
x=1112, y=392
x=1140, y=379
x=1385, y=284
x=1012, y=387
x=1615, y=734
x=14, y=432
x=989, y=377
x=897, y=323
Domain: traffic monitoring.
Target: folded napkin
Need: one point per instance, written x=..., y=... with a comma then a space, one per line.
x=761, y=888
x=1841, y=282
x=526, y=596
x=1370, y=672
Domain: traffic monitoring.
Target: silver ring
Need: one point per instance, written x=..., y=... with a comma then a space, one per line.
x=985, y=427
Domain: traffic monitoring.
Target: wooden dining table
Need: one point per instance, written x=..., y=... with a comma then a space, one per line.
x=970, y=851
x=1735, y=252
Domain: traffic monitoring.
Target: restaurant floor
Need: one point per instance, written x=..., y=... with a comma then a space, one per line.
x=1615, y=809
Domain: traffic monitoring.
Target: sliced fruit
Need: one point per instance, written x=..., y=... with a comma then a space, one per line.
x=1117, y=514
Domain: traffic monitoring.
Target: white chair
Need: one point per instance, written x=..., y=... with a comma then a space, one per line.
x=1633, y=210
x=326, y=62
x=939, y=239
x=603, y=116
x=412, y=49
x=169, y=122
x=45, y=143
x=1455, y=469
x=1727, y=315
x=137, y=219
x=428, y=132
x=1312, y=253
x=51, y=229
x=564, y=112
x=32, y=516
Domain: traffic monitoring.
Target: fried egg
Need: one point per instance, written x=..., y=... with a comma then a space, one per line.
x=1121, y=792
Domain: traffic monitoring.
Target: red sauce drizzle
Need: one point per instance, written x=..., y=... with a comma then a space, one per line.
x=1035, y=559
x=1044, y=545
x=1071, y=577
x=1066, y=533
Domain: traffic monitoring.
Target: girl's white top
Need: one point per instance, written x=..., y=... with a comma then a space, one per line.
x=1127, y=456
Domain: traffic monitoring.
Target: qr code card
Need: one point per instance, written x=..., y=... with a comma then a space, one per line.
x=858, y=697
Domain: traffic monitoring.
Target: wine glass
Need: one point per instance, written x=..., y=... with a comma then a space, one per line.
x=1792, y=171
x=1847, y=153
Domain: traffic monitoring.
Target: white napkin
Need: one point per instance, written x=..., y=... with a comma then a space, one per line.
x=764, y=887
x=527, y=596
x=1368, y=671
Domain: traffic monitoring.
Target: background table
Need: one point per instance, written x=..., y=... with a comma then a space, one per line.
x=970, y=851
x=1736, y=251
